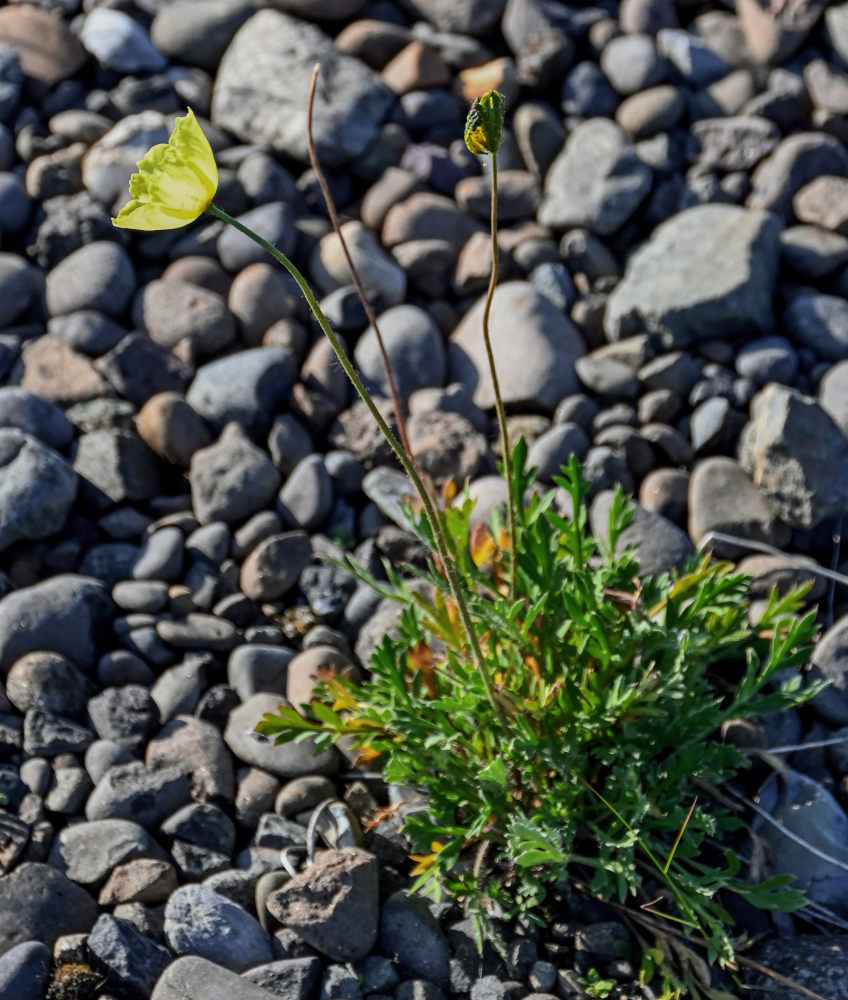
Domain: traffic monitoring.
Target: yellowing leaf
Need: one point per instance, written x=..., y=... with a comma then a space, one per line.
x=481, y=545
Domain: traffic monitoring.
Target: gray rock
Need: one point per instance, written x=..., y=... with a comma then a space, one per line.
x=197, y=34
x=735, y=143
x=255, y=668
x=631, y=63
x=25, y=971
x=37, y=488
x=66, y=614
x=466, y=17
x=98, y=276
x=814, y=962
x=124, y=715
x=196, y=748
x=231, y=479
x=195, y=978
x=306, y=497
x=294, y=978
x=200, y=921
x=691, y=56
x=248, y=387
x=115, y=466
x=50, y=682
x=129, y=960
x=587, y=93
x=19, y=283
x=28, y=412
x=536, y=369
x=88, y=851
x=273, y=567
x=203, y=825
x=412, y=935
x=768, y=359
x=553, y=449
x=812, y=252
x=38, y=903
x=425, y=217
x=660, y=545
x=285, y=760
x=830, y=662
x=120, y=43
x=177, y=312
x=379, y=273
x=262, y=83
x=48, y=735
x=706, y=273
x=806, y=809
x=723, y=498
x=833, y=395
x=597, y=181
x=272, y=221
x=415, y=349
x=133, y=791
x=820, y=323
x=796, y=456
x=796, y=161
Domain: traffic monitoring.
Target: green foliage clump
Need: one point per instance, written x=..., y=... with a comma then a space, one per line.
x=598, y=754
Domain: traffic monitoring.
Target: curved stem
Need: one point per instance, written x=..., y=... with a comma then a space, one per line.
x=429, y=509
x=496, y=387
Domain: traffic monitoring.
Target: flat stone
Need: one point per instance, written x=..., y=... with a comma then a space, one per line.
x=597, y=182
x=706, y=273
x=195, y=978
x=65, y=614
x=285, y=760
x=262, y=84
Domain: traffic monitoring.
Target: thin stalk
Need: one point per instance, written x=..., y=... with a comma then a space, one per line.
x=360, y=290
x=496, y=386
x=429, y=509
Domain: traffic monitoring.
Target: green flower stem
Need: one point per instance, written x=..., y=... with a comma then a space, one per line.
x=496, y=386
x=429, y=508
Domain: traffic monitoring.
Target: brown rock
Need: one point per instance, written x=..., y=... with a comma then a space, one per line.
x=824, y=202
x=773, y=30
x=499, y=74
x=144, y=880
x=427, y=216
x=445, y=445
x=171, y=428
x=416, y=67
x=333, y=905
x=56, y=372
x=205, y=272
x=260, y=296
x=48, y=51
x=374, y=42
x=311, y=666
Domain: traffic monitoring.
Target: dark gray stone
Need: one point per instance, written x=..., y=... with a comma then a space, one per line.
x=796, y=456
x=706, y=273
x=38, y=903
x=129, y=960
x=262, y=84
x=37, y=488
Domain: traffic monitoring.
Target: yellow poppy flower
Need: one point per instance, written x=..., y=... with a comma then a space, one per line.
x=175, y=183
